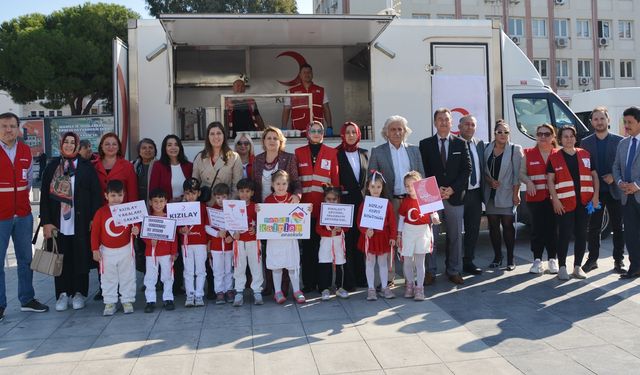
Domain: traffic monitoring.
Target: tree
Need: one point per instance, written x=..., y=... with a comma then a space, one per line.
x=63, y=57
x=157, y=7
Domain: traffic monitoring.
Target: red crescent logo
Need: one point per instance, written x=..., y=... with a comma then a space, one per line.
x=300, y=60
x=463, y=112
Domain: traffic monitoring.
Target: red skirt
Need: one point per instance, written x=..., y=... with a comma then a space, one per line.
x=378, y=244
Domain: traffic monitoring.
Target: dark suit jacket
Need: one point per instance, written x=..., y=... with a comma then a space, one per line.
x=382, y=161
x=353, y=190
x=589, y=144
x=286, y=162
x=458, y=167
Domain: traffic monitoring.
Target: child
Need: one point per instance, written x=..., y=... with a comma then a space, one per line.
x=159, y=254
x=283, y=254
x=332, y=251
x=113, y=248
x=221, y=251
x=415, y=238
x=377, y=244
x=194, y=245
x=247, y=250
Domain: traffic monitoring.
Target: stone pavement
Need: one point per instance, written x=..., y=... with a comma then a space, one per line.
x=497, y=323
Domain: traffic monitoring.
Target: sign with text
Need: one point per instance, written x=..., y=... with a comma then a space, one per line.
x=235, y=215
x=428, y=194
x=34, y=136
x=129, y=213
x=185, y=213
x=90, y=128
x=374, y=211
x=336, y=215
x=158, y=228
x=216, y=217
x=284, y=221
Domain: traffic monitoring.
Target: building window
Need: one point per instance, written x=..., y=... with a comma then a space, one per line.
x=584, y=68
x=583, y=29
x=541, y=67
x=41, y=113
x=604, y=29
x=420, y=16
x=562, y=68
x=539, y=27
x=469, y=17
x=445, y=16
x=561, y=28
x=516, y=26
x=52, y=113
x=626, y=68
x=606, y=69
x=59, y=113
x=625, y=29
x=33, y=114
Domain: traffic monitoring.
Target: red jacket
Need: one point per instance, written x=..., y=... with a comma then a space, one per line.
x=14, y=183
x=216, y=243
x=300, y=105
x=313, y=177
x=106, y=233
x=161, y=177
x=252, y=217
x=564, y=182
x=537, y=172
x=197, y=234
x=122, y=170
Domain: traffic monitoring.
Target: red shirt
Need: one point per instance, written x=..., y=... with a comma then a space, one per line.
x=106, y=233
x=324, y=232
x=410, y=210
x=252, y=217
x=217, y=243
x=161, y=177
x=122, y=170
x=197, y=235
x=273, y=198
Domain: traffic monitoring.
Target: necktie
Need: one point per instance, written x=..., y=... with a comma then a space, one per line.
x=632, y=155
x=474, y=177
x=443, y=152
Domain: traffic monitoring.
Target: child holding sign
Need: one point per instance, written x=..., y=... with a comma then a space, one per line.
x=194, y=244
x=332, y=251
x=377, y=245
x=159, y=254
x=112, y=247
x=283, y=254
x=221, y=252
x=247, y=250
x=415, y=238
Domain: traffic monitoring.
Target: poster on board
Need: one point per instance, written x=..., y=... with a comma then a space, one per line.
x=87, y=127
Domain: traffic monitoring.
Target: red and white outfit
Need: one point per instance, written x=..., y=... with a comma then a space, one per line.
x=283, y=254
x=247, y=253
x=221, y=259
x=118, y=269
x=332, y=248
x=194, y=257
x=14, y=184
x=159, y=256
x=314, y=176
x=377, y=247
x=537, y=172
x=417, y=239
x=564, y=182
x=300, y=105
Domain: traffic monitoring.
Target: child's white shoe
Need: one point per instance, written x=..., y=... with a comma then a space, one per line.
x=199, y=301
x=190, y=301
x=326, y=295
x=127, y=307
x=257, y=299
x=342, y=293
x=238, y=300
x=109, y=309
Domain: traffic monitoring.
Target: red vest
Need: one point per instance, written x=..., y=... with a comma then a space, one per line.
x=537, y=172
x=300, y=109
x=14, y=183
x=564, y=183
x=313, y=177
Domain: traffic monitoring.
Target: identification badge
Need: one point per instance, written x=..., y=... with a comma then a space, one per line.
x=325, y=164
x=24, y=174
x=586, y=162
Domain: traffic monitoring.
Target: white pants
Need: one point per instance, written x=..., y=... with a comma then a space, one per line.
x=151, y=277
x=293, y=276
x=383, y=269
x=248, y=255
x=410, y=262
x=416, y=239
x=195, y=267
x=118, y=274
x=222, y=274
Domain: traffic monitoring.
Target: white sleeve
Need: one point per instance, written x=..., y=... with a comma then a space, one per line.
x=400, y=223
x=325, y=100
x=287, y=101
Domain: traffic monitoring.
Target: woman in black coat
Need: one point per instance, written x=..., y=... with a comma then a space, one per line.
x=353, y=163
x=71, y=194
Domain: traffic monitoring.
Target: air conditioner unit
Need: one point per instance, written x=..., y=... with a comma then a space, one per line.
x=560, y=2
x=603, y=42
x=584, y=81
x=562, y=42
x=561, y=82
x=515, y=39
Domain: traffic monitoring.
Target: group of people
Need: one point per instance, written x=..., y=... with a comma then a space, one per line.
x=567, y=188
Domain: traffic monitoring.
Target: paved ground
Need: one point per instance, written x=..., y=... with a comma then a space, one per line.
x=498, y=323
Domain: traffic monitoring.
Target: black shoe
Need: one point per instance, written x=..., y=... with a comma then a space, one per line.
x=630, y=275
x=618, y=267
x=150, y=307
x=590, y=265
x=510, y=267
x=34, y=306
x=169, y=305
x=496, y=263
x=1, y=314
x=98, y=296
x=265, y=293
x=471, y=269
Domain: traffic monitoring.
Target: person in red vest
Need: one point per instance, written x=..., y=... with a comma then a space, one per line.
x=533, y=173
x=573, y=183
x=16, y=221
x=317, y=167
x=297, y=108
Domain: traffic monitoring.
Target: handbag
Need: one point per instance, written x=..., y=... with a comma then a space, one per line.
x=205, y=191
x=48, y=262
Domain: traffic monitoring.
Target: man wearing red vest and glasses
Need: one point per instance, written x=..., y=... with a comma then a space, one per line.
x=297, y=107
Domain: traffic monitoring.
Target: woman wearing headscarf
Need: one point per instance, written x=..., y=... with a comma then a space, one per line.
x=71, y=194
x=317, y=167
x=353, y=163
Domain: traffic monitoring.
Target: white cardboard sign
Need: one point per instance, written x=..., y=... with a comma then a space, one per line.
x=129, y=213
x=235, y=215
x=185, y=213
x=374, y=212
x=158, y=228
x=336, y=215
x=290, y=221
x=216, y=218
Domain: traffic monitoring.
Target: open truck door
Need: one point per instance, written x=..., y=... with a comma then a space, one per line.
x=121, y=93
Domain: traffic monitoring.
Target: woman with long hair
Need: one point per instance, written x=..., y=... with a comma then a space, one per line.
x=173, y=168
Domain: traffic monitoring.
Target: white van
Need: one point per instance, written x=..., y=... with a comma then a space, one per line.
x=616, y=100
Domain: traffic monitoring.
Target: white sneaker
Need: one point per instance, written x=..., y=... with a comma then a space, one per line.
x=257, y=298
x=78, y=301
x=63, y=302
x=109, y=309
x=553, y=266
x=563, y=274
x=190, y=301
x=199, y=302
x=326, y=295
x=127, y=307
x=537, y=267
x=238, y=300
x=578, y=273
x=342, y=293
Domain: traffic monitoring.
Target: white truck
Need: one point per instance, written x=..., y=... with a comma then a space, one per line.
x=180, y=67
x=616, y=100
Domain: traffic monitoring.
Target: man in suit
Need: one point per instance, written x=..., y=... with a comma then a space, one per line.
x=446, y=157
x=394, y=159
x=473, y=196
x=626, y=173
x=602, y=146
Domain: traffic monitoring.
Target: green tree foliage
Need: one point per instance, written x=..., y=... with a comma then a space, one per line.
x=63, y=57
x=157, y=7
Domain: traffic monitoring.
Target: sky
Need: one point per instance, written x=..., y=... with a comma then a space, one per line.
x=21, y=7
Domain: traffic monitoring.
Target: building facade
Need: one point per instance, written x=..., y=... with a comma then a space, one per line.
x=576, y=45
x=36, y=109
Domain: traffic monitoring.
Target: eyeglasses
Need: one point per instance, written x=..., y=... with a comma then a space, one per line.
x=243, y=143
x=543, y=134
x=315, y=131
x=502, y=132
